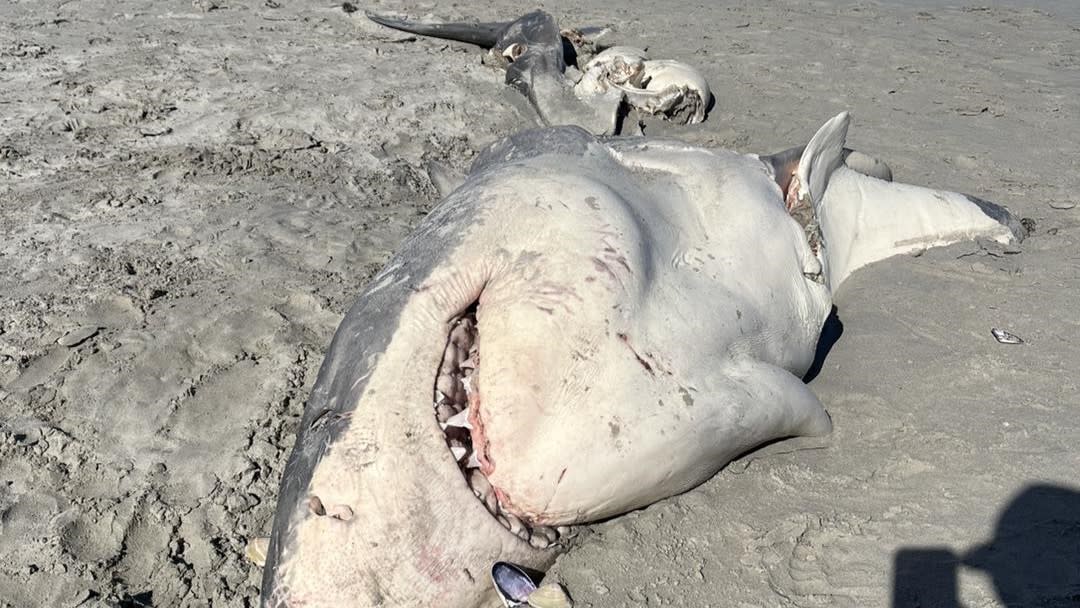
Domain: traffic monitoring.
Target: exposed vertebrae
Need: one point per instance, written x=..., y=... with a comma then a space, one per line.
x=672, y=89
x=453, y=387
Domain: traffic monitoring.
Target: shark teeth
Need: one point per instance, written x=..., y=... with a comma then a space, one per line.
x=450, y=399
x=460, y=419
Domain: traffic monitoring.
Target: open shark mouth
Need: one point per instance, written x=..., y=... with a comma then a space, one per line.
x=456, y=402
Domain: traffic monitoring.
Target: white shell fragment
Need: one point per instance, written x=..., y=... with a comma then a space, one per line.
x=1006, y=337
x=551, y=595
x=1063, y=205
x=256, y=550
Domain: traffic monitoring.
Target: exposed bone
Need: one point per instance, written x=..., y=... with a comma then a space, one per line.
x=666, y=101
x=664, y=87
x=675, y=89
x=618, y=65
x=539, y=541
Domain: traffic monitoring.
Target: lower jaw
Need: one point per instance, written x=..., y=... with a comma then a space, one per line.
x=456, y=404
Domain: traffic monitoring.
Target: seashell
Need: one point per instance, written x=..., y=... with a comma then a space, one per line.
x=1006, y=337
x=256, y=550
x=340, y=512
x=1062, y=205
x=512, y=584
x=551, y=595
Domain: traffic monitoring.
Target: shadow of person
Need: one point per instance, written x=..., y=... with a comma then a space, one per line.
x=830, y=335
x=1033, y=559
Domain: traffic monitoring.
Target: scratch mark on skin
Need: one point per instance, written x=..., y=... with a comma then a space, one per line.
x=622, y=262
x=539, y=519
x=552, y=295
x=603, y=267
x=641, y=360
x=657, y=365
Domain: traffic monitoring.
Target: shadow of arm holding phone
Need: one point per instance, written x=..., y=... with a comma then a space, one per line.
x=1033, y=559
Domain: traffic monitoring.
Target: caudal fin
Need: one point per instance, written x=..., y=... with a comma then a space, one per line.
x=863, y=220
x=480, y=34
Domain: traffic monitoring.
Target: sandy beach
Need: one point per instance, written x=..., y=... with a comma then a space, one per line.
x=192, y=193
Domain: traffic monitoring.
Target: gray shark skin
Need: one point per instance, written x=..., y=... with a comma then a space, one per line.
x=538, y=71
x=636, y=313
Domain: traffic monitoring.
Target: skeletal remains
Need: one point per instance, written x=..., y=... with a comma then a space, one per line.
x=542, y=63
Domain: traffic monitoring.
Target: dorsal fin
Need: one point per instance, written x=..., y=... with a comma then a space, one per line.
x=820, y=158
